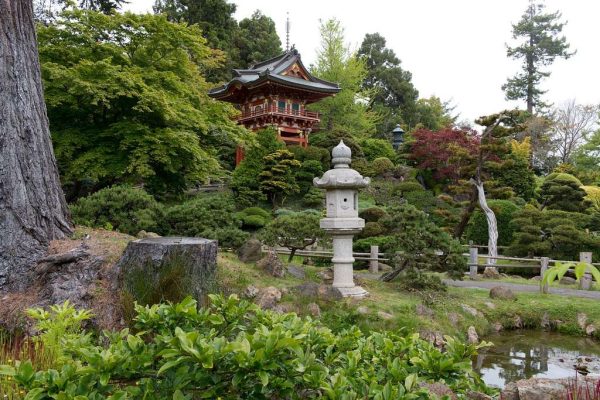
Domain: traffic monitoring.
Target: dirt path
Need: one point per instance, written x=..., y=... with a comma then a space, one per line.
x=516, y=287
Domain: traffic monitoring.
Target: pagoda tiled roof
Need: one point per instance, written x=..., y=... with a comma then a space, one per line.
x=273, y=70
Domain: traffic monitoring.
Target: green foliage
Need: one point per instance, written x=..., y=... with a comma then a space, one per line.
x=233, y=349
x=277, y=179
x=393, y=94
x=413, y=280
x=257, y=39
x=372, y=214
x=477, y=230
x=309, y=169
x=313, y=152
x=254, y=217
x=211, y=217
x=539, y=45
x=418, y=242
x=371, y=229
x=382, y=166
x=244, y=180
x=124, y=208
x=518, y=175
x=296, y=231
x=336, y=63
x=377, y=148
x=557, y=271
x=314, y=198
x=564, y=192
x=552, y=233
x=127, y=101
x=364, y=245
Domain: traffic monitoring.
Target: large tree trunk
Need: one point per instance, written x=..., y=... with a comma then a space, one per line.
x=33, y=210
x=491, y=222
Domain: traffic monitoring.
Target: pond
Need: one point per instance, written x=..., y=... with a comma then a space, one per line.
x=526, y=354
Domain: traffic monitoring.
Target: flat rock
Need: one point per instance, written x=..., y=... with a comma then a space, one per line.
x=567, y=280
x=470, y=310
x=296, y=271
x=490, y=305
x=250, y=292
x=502, y=293
x=362, y=310
x=543, y=388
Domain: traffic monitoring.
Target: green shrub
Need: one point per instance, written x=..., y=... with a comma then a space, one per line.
x=125, y=208
x=364, y=245
x=371, y=229
x=408, y=186
x=211, y=217
x=414, y=280
x=477, y=230
x=372, y=214
x=382, y=166
x=234, y=350
x=377, y=148
x=253, y=217
x=314, y=198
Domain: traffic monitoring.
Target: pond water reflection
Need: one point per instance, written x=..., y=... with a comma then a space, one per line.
x=525, y=354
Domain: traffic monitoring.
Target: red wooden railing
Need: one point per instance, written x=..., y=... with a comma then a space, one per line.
x=274, y=110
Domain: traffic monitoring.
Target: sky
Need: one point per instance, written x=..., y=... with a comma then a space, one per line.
x=455, y=50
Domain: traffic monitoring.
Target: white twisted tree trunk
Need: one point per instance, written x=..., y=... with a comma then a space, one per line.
x=491, y=222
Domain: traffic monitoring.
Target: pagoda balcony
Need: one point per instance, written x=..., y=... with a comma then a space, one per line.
x=283, y=112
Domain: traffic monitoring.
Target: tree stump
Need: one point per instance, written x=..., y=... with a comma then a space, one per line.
x=152, y=270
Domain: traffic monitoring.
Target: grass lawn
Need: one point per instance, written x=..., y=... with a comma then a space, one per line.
x=446, y=313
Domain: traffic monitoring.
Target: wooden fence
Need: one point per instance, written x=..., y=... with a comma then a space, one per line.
x=473, y=257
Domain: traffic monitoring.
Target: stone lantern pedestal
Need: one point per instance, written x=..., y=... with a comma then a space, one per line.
x=342, y=222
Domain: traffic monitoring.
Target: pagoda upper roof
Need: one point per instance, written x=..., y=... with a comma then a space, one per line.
x=284, y=70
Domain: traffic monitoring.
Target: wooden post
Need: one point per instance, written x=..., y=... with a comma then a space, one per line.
x=473, y=261
x=586, y=280
x=374, y=260
x=544, y=262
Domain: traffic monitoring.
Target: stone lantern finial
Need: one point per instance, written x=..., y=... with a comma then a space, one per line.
x=341, y=155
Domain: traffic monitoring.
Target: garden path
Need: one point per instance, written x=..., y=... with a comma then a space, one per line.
x=516, y=287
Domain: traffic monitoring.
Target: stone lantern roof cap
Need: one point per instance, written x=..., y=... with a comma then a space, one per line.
x=341, y=176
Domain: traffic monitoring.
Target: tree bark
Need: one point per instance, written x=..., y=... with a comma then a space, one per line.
x=33, y=209
x=492, y=224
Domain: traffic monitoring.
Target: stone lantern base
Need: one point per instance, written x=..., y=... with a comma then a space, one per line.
x=356, y=292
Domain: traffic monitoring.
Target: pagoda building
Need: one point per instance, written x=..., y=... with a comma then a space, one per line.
x=275, y=93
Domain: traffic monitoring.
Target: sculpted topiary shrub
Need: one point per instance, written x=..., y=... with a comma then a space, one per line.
x=124, y=208
x=210, y=217
x=234, y=350
x=372, y=214
x=382, y=166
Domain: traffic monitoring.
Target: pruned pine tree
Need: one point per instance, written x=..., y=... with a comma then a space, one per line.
x=33, y=209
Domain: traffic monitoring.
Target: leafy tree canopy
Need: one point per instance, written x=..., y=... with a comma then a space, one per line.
x=540, y=44
x=347, y=111
x=127, y=101
x=391, y=85
x=257, y=39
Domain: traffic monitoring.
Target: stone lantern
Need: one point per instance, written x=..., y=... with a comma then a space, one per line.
x=342, y=222
x=398, y=137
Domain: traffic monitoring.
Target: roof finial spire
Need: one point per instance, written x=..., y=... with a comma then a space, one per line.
x=288, y=25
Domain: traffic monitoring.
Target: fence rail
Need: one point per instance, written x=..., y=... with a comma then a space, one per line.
x=473, y=257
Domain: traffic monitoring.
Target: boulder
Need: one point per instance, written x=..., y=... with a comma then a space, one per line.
x=545, y=322
x=316, y=291
x=272, y=264
x=296, y=271
x=384, y=315
x=326, y=275
x=268, y=298
x=502, y=293
x=314, y=310
x=251, y=251
x=251, y=292
x=362, y=310
x=544, y=388
x=590, y=330
x=472, y=336
x=454, y=318
x=470, y=310
x=490, y=305
x=497, y=327
x=423, y=310
x=517, y=322
x=491, y=273
x=582, y=320
x=384, y=267
x=439, y=389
